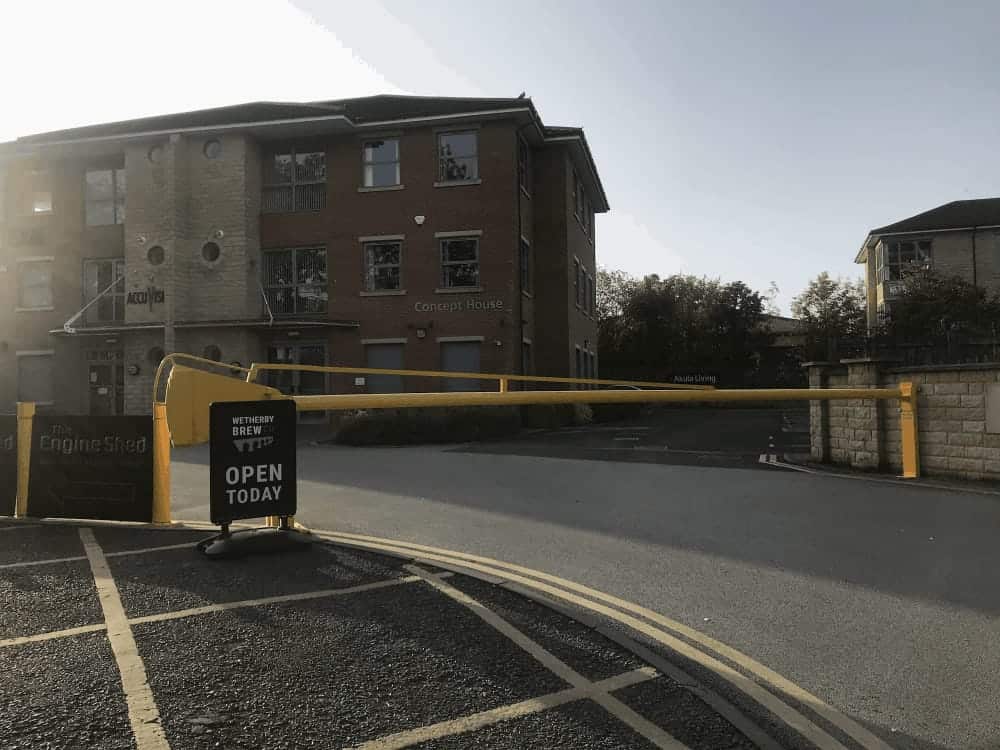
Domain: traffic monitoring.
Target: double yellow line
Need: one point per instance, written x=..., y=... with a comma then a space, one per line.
x=763, y=685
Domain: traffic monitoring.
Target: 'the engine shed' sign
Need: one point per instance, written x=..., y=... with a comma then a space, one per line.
x=252, y=450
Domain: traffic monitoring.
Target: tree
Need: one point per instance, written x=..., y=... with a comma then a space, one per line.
x=653, y=328
x=933, y=306
x=830, y=310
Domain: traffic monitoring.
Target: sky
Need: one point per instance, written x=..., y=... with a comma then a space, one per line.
x=757, y=141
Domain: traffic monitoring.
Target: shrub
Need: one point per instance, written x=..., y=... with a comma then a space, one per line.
x=414, y=426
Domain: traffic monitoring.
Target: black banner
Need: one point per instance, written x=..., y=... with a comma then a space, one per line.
x=8, y=464
x=91, y=467
x=252, y=456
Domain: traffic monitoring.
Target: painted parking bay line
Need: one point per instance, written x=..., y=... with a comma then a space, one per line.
x=142, y=711
x=768, y=676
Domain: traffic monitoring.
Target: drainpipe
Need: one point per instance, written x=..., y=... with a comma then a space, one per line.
x=519, y=344
x=974, y=256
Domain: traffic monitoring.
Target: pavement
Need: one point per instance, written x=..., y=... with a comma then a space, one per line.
x=882, y=600
x=123, y=636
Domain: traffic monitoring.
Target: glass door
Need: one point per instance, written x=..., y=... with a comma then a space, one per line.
x=297, y=382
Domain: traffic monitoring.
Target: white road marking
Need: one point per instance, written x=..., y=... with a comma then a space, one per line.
x=52, y=635
x=513, y=711
x=14, y=526
x=612, y=705
x=629, y=438
x=145, y=550
x=322, y=594
x=123, y=553
x=142, y=711
x=50, y=561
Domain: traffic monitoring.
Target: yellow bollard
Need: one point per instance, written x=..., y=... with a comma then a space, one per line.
x=161, y=465
x=908, y=430
x=25, y=418
x=503, y=385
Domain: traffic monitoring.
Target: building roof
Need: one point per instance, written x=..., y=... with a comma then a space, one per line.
x=359, y=111
x=980, y=212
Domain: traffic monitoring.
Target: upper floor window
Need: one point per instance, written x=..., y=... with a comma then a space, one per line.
x=382, y=266
x=525, y=257
x=104, y=281
x=458, y=156
x=523, y=164
x=37, y=192
x=381, y=162
x=294, y=181
x=104, y=196
x=295, y=280
x=34, y=284
x=460, y=262
x=579, y=196
x=898, y=255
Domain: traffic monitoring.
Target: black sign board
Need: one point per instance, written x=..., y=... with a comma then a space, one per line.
x=91, y=467
x=8, y=464
x=252, y=452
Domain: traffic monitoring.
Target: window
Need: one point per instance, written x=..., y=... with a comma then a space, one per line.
x=384, y=357
x=295, y=280
x=382, y=266
x=34, y=280
x=579, y=367
x=461, y=356
x=212, y=352
x=460, y=262
x=38, y=192
x=105, y=196
x=590, y=295
x=523, y=164
x=381, y=163
x=34, y=377
x=896, y=256
x=527, y=366
x=294, y=182
x=525, y=266
x=593, y=367
x=577, y=292
x=579, y=196
x=458, y=156
x=98, y=277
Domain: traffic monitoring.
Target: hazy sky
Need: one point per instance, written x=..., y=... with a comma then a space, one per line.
x=747, y=140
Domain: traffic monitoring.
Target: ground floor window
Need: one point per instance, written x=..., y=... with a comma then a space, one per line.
x=461, y=356
x=385, y=356
x=35, y=377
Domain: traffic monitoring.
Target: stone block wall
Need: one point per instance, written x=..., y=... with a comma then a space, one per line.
x=951, y=419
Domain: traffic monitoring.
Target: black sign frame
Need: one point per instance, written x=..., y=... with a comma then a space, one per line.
x=8, y=464
x=91, y=467
x=252, y=457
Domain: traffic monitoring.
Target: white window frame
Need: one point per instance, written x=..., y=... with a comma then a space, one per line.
x=886, y=269
x=442, y=179
x=293, y=183
x=370, y=269
x=295, y=284
x=32, y=178
x=524, y=166
x=118, y=188
x=20, y=262
x=366, y=163
x=115, y=294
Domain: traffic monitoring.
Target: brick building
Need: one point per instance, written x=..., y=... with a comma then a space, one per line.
x=386, y=231
x=961, y=238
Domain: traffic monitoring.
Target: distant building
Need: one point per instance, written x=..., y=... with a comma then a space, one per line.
x=961, y=238
x=386, y=231
x=787, y=332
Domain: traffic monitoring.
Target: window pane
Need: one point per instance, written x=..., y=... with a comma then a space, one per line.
x=455, y=168
x=379, y=254
x=310, y=266
x=454, y=250
x=907, y=252
x=382, y=151
x=312, y=299
x=34, y=378
x=281, y=301
x=279, y=169
x=278, y=268
x=386, y=277
x=310, y=167
x=457, y=144
x=381, y=175
x=36, y=284
x=119, y=196
x=100, y=185
x=461, y=274
x=276, y=199
x=41, y=202
x=100, y=213
x=310, y=197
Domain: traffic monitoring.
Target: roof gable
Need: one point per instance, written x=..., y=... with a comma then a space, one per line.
x=955, y=215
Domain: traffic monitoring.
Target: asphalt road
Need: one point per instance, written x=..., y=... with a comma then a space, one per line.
x=882, y=599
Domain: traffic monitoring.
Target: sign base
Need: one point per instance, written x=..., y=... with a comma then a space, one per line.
x=252, y=542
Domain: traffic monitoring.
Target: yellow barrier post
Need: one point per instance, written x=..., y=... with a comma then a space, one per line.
x=25, y=418
x=908, y=430
x=161, y=465
x=503, y=385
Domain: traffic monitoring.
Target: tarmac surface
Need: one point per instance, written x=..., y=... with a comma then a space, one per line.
x=324, y=647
